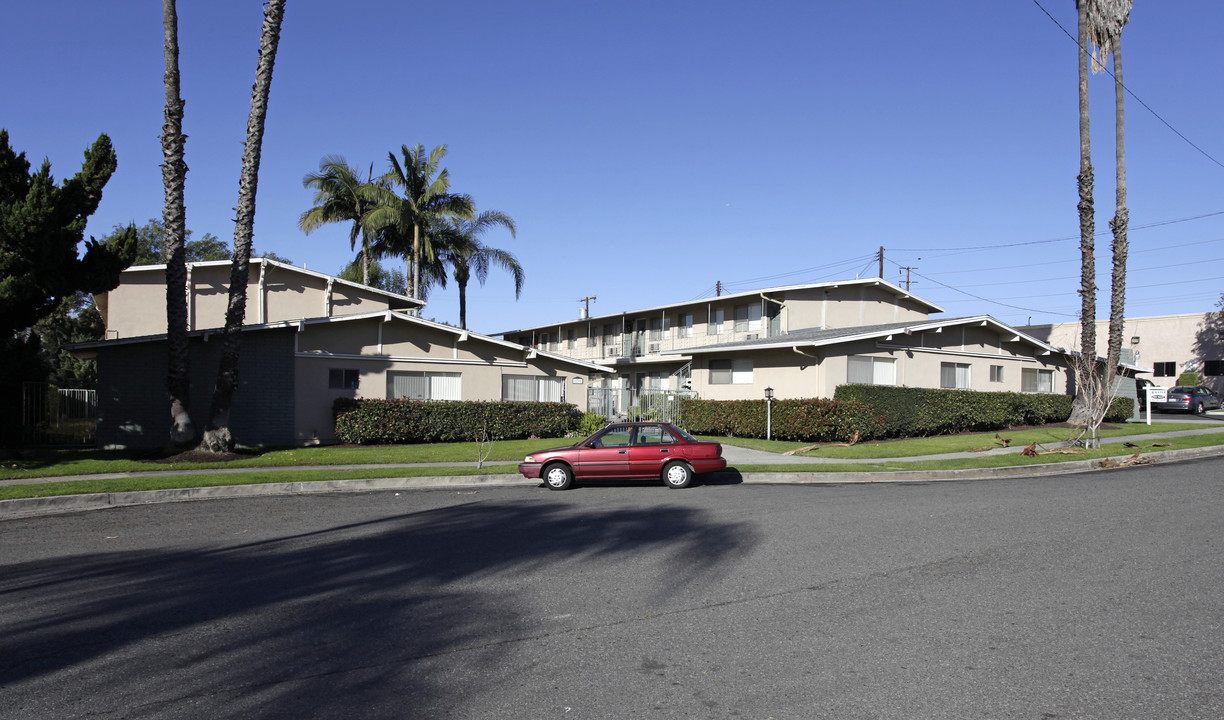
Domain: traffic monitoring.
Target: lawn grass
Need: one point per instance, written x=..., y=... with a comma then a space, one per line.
x=910, y=447
x=53, y=463
x=152, y=481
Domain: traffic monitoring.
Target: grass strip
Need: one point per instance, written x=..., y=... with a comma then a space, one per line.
x=910, y=447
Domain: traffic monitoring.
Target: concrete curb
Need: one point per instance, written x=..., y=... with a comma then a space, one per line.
x=32, y=507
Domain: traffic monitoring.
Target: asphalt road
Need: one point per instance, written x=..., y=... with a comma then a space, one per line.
x=1077, y=596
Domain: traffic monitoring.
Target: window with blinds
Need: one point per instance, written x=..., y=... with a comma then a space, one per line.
x=866, y=370
x=417, y=385
x=532, y=388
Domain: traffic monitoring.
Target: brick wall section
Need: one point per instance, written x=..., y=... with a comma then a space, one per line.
x=134, y=406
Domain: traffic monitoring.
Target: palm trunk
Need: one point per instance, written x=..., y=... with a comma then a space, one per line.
x=1084, y=381
x=462, y=303
x=1117, y=298
x=365, y=258
x=416, y=261
x=174, y=175
x=217, y=436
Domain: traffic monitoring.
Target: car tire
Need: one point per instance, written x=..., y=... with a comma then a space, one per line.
x=558, y=476
x=677, y=475
x=1199, y=409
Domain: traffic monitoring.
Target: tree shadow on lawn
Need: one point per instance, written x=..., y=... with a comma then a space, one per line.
x=356, y=620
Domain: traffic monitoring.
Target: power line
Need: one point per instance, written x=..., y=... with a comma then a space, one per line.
x=1138, y=99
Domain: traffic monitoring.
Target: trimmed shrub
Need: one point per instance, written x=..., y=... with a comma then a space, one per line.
x=919, y=412
x=1189, y=378
x=590, y=423
x=807, y=420
x=1120, y=410
x=383, y=422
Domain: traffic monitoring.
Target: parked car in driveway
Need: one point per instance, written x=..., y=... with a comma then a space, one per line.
x=627, y=450
x=1189, y=398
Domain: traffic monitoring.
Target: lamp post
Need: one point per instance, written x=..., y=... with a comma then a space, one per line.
x=768, y=413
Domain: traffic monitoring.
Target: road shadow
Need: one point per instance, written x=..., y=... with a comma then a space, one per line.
x=344, y=622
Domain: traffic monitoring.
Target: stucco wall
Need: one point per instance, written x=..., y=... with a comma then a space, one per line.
x=1184, y=339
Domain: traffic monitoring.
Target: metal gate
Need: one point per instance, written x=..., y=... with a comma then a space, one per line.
x=616, y=404
x=52, y=415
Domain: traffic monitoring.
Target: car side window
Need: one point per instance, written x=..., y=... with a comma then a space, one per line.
x=651, y=435
x=614, y=437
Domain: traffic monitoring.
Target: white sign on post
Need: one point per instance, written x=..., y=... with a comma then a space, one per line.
x=1155, y=394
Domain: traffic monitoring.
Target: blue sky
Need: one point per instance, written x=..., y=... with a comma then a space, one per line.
x=648, y=150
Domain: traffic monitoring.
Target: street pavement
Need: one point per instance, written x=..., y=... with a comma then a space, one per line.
x=1093, y=595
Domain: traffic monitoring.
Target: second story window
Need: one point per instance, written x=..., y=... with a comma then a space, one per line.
x=685, y=326
x=747, y=318
x=714, y=326
x=571, y=338
x=656, y=329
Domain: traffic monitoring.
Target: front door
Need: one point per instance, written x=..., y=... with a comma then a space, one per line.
x=606, y=455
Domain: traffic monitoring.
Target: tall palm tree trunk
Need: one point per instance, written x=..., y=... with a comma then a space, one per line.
x=1121, y=247
x=217, y=436
x=1085, y=367
x=174, y=176
x=416, y=261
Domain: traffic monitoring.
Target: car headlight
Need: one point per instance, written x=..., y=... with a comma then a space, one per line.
x=529, y=458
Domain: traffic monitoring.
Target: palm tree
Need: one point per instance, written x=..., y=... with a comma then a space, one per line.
x=467, y=255
x=1084, y=370
x=1107, y=18
x=174, y=177
x=341, y=196
x=426, y=200
x=217, y=436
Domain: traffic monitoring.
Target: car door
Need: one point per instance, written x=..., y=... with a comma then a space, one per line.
x=652, y=447
x=606, y=454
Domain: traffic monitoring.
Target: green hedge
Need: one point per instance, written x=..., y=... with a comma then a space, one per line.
x=807, y=420
x=382, y=422
x=919, y=412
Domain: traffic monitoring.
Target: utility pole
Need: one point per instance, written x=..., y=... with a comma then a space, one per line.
x=718, y=288
x=586, y=313
x=907, y=269
x=881, y=275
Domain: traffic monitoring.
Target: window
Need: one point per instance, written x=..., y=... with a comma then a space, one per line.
x=590, y=336
x=1035, y=380
x=609, y=334
x=714, y=324
x=653, y=435
x=686, y=325
x=737, y=371
x=417, y=385
x=865, y=370
x=571, y=337
x=532, y=388
x=1165, y=369
x=996, y=373
x=1213, y=368
x=747, y=318
x=343, y=378
x=616, y=436
x=954, y=375
x=656, y=329
x=542, y=342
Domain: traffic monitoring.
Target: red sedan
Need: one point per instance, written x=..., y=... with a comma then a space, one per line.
x=627, y=450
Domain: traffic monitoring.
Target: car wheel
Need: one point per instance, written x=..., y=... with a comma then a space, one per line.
x=558, y=477
x=677, y=475
x=1199, y=409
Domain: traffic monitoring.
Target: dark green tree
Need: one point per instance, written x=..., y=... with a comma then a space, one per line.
x=75, y=320
x=342, y=196
x=151, y=245
x=412, y=216
x=381, y=277
x=42, y=226
x=468, y=256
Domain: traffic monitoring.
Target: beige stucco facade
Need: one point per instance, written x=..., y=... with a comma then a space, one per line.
x=276, y=292
x=381, y=346
x=1167, y=344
